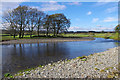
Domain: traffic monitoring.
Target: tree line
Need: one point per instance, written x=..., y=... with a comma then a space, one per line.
x=117, y=28
x=24, y=18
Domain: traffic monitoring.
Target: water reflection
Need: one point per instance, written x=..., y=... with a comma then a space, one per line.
x=21, y=56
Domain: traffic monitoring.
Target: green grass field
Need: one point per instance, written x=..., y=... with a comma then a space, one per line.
x=98, y=35
x=6, y=37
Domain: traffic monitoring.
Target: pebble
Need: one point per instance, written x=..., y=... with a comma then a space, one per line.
x=75, y=68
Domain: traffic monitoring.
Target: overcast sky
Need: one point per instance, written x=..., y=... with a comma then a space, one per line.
x=83, y=15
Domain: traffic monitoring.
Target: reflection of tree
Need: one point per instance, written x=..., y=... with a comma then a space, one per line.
x=19, y=52
x=20, y=48
x=31, y=55
x=15, y=58
x=31, y=50
x=47, y=46
x=38, y=49
x=14, y=45
x=47, y=49
x=15, y=48
x=55, y=49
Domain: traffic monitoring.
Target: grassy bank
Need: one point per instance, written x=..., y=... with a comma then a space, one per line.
x=6, y=37
x=114, y=36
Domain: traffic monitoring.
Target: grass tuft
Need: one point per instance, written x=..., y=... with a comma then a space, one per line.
x=8, y=75
x=96, y=69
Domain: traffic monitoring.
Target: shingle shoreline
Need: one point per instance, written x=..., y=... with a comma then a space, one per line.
x=22, y=41
x=97, y=65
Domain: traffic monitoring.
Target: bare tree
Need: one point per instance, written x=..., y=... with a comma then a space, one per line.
x=20, y=13
x=25, y=18
x=40, y=20
x=9, y=22
x=32, y=20
x=47, y=24
x=59, y=23
x=117, y=28
x=62, y=23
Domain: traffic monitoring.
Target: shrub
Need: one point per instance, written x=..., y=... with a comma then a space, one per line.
x=84, y=59
x=8, y=75
x=40, y=65
x=96, y=69
x=81, y=57
x=102, y=70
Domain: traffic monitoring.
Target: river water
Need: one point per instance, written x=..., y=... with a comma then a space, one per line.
x=17, y=57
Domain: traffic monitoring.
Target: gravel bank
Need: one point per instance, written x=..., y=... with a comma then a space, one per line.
x=97, y=65
x=22, y=41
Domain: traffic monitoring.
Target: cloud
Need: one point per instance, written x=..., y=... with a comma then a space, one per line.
x=14, y=0
x=91, y=29
x=108, y=0
x=77, y=19
x=35, y=7
x=75, y=3
x=52, y=6
x=102, y=28
x=98, y=26
x=63, y=0
x=101, y=3
x=5, y=7
x=89, y=13
x=0, y=12
x=52, y=2
x=95, y=20
x=74, y=28
x=8, y=5
x=112, y=9
x=110, y=19
x=0, y=9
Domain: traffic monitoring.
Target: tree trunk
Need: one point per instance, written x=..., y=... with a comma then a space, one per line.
x=23, y=33
x=20, y=35
x=20, y=31
x=47, y=32
x=54, y=30
x=14, y=35
x=38, y=31
x=57, y=31
x=31, y=34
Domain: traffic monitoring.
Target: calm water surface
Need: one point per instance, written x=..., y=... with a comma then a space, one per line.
x=17, y=57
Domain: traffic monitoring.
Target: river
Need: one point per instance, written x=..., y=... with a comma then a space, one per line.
x=17, y=57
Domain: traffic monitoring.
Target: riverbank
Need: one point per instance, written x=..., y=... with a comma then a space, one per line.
x=115, y=36
x=98, y=65
x=108, y=35
x=46, y=40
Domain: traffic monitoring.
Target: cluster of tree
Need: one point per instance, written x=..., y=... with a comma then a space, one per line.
x=25, y=18
x=117, y=28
